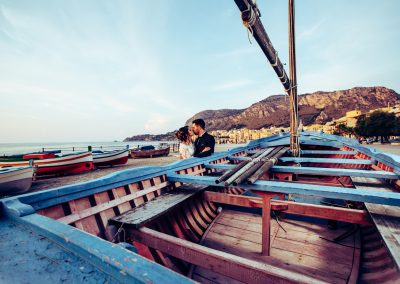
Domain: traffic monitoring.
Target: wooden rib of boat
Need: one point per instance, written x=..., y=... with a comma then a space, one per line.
x=152, y=153
x=66, y=164
x=16, y=180
x=277, y=229
x=110, y=158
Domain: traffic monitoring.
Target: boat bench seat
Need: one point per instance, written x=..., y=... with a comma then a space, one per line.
x=149, y=211
x=385, y=217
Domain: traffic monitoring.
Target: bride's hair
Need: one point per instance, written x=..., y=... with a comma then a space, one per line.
x=182, y=134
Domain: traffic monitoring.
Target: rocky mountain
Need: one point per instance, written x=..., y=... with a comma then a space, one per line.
x=318, y=107
x=170, y=136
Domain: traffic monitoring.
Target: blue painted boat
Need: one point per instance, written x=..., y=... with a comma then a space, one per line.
x=327, y=211
x=177, y=223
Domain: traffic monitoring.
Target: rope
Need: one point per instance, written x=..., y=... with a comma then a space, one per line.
x=249, y=18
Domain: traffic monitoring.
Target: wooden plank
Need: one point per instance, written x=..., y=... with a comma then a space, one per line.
x=386, y=218
x=233, y=266
x=372, y=196
x=151, y=210
x=317, y=268
x=327, y=152
x=326, y=161
x=334, y=172
x=121, y=192
x=325, y=212
x=220, y=166
x=89, y=223
x=107, y=214
x=135, y=195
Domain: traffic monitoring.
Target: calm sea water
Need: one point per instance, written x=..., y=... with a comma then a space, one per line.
x=23, y=148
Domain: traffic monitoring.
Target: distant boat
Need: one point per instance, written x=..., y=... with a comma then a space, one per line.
x=15, y=180
x=110, y=158
x=150, y=152
x=50, y=164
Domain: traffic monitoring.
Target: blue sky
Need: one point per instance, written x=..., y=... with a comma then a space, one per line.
x=105, y=70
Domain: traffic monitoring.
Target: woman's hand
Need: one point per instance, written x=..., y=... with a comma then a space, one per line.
x=206, y=149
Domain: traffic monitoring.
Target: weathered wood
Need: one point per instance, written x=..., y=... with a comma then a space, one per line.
x=326, y=161
x=386, y=218
x=236, y=267
x=266, y=223
x=334, y=172
x=319, y=211
x=372, y=196
x=106, y=205
x=327, y=152
x=150, y=210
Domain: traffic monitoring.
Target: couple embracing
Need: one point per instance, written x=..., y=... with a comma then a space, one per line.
x=204, y=144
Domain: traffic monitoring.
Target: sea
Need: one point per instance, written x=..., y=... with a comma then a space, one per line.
x=69, y=147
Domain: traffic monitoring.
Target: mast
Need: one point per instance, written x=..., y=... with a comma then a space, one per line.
x=251, y=20
x=294, y=105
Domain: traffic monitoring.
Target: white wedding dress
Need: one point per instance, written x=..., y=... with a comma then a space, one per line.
x=186, y=150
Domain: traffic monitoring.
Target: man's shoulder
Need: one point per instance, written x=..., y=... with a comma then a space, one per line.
x=208, y=135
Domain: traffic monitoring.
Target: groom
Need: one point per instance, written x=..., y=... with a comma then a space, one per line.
x=204, y=143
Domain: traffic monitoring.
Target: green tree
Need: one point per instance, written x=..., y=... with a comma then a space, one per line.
x=342, y=129
x=379, y=123
x=361, y=128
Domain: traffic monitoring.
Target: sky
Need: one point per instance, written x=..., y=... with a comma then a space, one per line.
x=106, y=70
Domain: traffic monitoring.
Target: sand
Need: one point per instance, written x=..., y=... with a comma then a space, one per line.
x=46, y=183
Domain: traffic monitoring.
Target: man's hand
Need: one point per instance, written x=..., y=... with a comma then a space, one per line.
x=206, y=149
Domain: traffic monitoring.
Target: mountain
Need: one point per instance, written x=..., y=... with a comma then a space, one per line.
x=318, y=107
x=169, y=136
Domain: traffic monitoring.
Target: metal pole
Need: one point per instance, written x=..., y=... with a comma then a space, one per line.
x=294, y=118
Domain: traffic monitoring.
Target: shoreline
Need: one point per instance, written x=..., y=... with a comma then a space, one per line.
x=53, y=182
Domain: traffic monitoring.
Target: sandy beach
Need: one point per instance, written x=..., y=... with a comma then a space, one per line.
x=46, y=183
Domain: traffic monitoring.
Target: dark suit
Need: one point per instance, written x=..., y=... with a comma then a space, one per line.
x=206, y=140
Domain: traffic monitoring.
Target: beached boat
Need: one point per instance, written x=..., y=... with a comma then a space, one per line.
x=150, y=152
x=65, y=164
x=301, y=208
x=110, y=158
x=16, y=180
x=217, y=220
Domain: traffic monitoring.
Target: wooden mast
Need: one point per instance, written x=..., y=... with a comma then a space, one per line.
x=294, y=116
x=251, y=20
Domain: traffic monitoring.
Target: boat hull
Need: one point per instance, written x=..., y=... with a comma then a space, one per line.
x=70, y=164
x=139, y=154
x=111, y=159
x=16, y=181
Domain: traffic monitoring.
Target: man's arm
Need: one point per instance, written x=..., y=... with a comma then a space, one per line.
x=209, y=149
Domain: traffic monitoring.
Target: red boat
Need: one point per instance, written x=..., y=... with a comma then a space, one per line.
x=110, y=158
x=66, y=164
x=151, y=153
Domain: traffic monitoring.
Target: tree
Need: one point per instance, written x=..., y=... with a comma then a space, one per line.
x=361, y=128
x=379, y=123
x=342, y=129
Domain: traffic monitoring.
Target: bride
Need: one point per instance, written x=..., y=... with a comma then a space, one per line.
x=186, y=147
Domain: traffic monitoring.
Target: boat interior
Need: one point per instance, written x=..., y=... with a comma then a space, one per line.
x=329, y=216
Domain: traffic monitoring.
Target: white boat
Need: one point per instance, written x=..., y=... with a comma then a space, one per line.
x=110, y=158
x=15, y=180
x=65, y=164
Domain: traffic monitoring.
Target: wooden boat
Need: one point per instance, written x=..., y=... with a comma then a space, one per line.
x=65, y=164
x=150, y=153
x=186, y=219
x=110, y=158
x=16, y=180
x=327, y=211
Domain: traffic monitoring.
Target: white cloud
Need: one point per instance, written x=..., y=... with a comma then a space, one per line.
x=156, y=123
